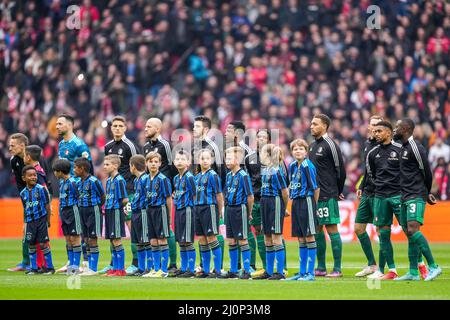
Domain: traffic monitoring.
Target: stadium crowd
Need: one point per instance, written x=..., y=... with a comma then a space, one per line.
x=269, y=63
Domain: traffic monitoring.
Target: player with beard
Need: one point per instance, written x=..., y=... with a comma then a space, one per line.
x=70, y=148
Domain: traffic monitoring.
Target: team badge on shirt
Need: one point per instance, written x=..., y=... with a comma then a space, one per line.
x=85, y=155
x=205, y=179
x=120, y=151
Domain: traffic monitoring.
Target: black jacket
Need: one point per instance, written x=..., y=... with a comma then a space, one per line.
x=326, y=155
x=162, y=146
x=367, y=185
x=384, y=169
x=415, y=173
x=17, y=165
x=253, y=166
x=125, y=149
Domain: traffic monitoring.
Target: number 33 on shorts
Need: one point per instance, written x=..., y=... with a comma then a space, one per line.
x=323, y=212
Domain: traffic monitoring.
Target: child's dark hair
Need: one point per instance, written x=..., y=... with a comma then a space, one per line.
x=26, y=168
x=62, y=165
x=83, y=163
x=34, y=151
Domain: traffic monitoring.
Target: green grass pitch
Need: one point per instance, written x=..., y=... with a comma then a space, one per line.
x=20, y=286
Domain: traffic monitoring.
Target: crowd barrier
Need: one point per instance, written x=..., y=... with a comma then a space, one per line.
x=436, y=225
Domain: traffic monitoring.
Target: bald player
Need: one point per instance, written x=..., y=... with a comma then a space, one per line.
x=155, y=142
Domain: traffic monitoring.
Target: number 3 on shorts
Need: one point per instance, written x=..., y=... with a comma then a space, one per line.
x=412, y=208
x=323, y=212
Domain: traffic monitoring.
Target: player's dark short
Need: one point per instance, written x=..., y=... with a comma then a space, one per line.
x=158, y=222
x=37, y=231
x=272, y=215
x=304, y=218
x=114, y=223
x=139, y=226
x=71, y=221
x=236, y=221
x=206, y=220
x=91, y=221
x=184, y=225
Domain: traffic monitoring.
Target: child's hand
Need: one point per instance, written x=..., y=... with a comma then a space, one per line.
x=287, y=214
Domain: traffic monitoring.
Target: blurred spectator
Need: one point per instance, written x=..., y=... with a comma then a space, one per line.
x=439, y=150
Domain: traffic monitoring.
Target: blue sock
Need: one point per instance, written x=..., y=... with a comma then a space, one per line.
x=114, y=260
x=33, y=257
x=270, y=259
x=156, y=258
x=76, y=256
x=312, y=252
x=120, y=256
x=149, y=257
x=93, y=259
x=48, y=257
x=183, y=258
x=246, y=257
x=234, y=256
x=280, y=256
x=141, y=258
x=164, y=257
x=206, y=258
x=303, y=253
x=70, y=254
x=192, y=256
x=217, y=252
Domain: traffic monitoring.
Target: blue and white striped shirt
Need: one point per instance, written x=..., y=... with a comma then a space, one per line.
x=34, y=202
x=158, y=189
x=303, y=179
x=184, y=190
x=207, y=187
x=68, y=192
x=140, y=192
x=115, y=192
x=238, y=188
x=272, y=182
x=90, y=192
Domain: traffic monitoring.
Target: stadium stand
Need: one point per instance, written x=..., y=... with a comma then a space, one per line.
x=270, y=63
